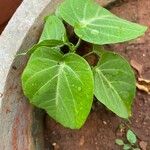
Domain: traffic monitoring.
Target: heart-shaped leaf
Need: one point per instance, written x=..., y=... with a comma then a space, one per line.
x=60, y=84
x=53, y=29
x=115, y=83
x=97, y=25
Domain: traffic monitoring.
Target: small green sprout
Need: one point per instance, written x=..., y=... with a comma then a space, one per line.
x=131, y=143
x=131, y=137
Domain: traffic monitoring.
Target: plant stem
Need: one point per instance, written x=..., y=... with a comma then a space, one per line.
x=70, y=46
x=88, y=54
x=77, y=45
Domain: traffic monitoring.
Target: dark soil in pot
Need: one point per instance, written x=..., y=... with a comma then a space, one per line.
x=102, y=127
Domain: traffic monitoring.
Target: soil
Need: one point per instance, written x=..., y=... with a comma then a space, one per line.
x=103, y=127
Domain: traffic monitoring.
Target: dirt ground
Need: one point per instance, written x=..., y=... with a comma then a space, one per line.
x=103, y=127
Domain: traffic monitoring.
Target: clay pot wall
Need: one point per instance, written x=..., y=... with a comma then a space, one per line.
x=7, y=8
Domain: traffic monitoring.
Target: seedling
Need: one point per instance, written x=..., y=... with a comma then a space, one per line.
x=131, y=141
x=63, y=84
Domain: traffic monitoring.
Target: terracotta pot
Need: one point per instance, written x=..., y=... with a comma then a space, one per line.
x=7, y=8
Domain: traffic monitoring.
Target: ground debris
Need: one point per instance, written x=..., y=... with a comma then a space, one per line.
x=143, y=85
x=56, y=146
x=143, y=145
x=82, y=141
x=138, y=67
x=105, y=2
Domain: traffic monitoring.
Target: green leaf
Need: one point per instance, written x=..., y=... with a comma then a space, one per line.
x=119, y=142
x=114, y=83
x=131, y=137
x=53, y=29
x=97, y=25
x=126, y=147
x=46, y=43
x=60, y=84
x=98, y=49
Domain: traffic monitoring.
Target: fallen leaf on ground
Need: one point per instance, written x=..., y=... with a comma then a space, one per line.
x=143, y=145
x=138, y=67
x=143, y=85
x=144, y=80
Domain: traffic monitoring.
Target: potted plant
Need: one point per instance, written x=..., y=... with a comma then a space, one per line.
x=66, y=91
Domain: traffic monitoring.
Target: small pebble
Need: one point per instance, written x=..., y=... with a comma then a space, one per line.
x=144, y=55
x=104, y=122
x=81, y=141
x=56, y=146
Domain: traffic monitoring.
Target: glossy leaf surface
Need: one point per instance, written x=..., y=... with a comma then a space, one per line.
x=97, y=25
x=53, y=29
x=114, y=83
x=60, y=84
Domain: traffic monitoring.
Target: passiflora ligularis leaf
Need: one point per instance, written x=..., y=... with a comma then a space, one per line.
x=62, y=83
x=53, y=29
x=97, y=25
x=114, y=83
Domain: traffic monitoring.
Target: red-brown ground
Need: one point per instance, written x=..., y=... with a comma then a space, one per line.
x=102, y=127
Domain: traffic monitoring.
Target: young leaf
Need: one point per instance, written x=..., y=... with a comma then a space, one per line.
x=60, y=84
x=119, y=142
x=97, y=25
x=126, y=147
x=131, y=137
x=53, y=29
x=45, y=43
x=48, y=43
x=114, y=83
